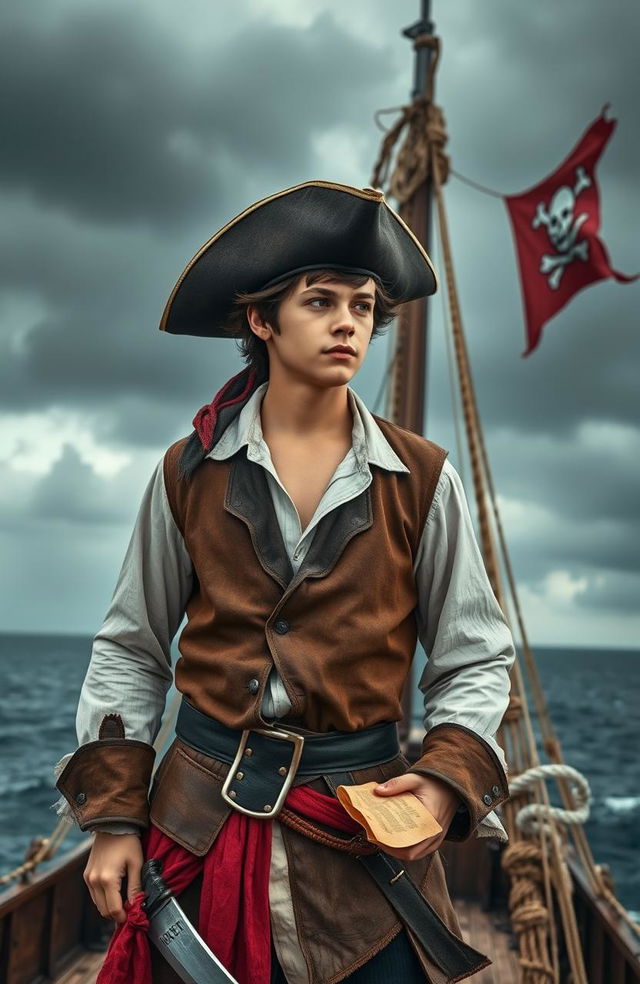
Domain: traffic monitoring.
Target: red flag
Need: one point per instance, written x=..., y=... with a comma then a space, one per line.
x=556, y=226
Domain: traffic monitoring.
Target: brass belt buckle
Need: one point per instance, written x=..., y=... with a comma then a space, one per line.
x=281, y=735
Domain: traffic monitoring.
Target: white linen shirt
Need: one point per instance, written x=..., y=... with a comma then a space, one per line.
x=460, y=625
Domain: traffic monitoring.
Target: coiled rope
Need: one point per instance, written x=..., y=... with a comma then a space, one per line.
x=535, y=817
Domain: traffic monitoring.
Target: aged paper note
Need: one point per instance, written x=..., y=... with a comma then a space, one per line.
x=391, y=821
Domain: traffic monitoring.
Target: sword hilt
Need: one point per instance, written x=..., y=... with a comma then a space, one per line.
x=154, y=886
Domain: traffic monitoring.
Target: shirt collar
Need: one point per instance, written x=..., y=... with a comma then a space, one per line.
x=370, y=446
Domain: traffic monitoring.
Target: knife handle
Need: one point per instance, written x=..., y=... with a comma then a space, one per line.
x=154, y=886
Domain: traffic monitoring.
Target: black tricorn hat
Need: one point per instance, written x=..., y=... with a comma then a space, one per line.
x=315, y=225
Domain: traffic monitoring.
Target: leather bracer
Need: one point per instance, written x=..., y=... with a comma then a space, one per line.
x=108, y=780
x=461, y=758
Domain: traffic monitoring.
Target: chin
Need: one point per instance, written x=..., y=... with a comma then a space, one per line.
x=329, y=377
x=340, y=376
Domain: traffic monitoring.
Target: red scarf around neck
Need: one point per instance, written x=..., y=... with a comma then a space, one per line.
x=206, y=418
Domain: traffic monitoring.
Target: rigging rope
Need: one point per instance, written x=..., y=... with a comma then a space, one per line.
x=391, y=360
x=475, y=184
x=420, y=159
x=453, y=389
x=434, y=136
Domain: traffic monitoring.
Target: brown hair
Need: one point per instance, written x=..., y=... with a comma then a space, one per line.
x=269, y=299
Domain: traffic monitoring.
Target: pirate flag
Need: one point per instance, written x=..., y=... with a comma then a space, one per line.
x=555, y=226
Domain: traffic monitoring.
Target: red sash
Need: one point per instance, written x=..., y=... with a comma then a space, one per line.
x=234, y=905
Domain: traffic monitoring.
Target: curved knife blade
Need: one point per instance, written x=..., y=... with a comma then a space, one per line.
x=175, y=936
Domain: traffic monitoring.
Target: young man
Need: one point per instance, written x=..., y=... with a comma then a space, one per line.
x=310, y=544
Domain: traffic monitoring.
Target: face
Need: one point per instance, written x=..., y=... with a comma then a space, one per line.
x=325, y=331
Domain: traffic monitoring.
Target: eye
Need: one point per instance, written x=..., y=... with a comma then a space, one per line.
x=319, y=300
x=364, y=306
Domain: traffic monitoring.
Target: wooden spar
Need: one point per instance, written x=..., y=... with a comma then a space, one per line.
x=407, y=406
x=407, y=392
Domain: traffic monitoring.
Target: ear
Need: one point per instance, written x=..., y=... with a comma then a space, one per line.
x=258, y=325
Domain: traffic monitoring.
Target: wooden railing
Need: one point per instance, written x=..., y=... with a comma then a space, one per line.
x=611, y=949
x=46, y=923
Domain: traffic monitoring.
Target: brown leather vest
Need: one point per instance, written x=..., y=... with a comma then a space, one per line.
x=342, y=632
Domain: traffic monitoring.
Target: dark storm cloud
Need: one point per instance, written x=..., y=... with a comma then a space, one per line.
x=584, y=367
x=99, y=345
x=538, y=73
x=579, y=547
x=552, y=70
x=127, y=146
x=134, y=128
x=590, y=480
x=113, y=120
x=569, y=504
x=72, y=493
x=612, y=592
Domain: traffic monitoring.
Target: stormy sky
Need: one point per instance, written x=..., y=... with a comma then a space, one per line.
x=133, y=131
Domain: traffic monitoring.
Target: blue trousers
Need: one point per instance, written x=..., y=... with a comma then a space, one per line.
x=395, y=964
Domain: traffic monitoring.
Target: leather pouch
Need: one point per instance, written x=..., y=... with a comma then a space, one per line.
x=186, y=801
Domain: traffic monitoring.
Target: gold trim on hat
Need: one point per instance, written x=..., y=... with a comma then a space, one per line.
x=369, y=194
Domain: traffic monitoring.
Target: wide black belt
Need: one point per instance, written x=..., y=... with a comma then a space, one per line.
x=265, y=761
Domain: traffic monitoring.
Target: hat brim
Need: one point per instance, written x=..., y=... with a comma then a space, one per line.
x=314, y=225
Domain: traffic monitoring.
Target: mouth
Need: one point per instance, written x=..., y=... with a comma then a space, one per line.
x=341, y=350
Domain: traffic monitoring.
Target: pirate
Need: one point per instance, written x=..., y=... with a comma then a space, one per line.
x=310, y=544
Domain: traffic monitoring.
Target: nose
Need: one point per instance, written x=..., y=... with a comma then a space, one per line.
x=344, y=321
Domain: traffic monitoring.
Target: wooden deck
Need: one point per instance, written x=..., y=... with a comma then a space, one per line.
x=479, y=929
x=83, y=970
x=485, y=931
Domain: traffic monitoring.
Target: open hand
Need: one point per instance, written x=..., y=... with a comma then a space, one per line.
x=440, y=800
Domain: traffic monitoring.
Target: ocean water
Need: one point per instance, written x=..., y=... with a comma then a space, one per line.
x=593, y=697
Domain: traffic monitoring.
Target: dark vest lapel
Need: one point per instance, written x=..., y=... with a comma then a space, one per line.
x=249, y=499
x=333, y=533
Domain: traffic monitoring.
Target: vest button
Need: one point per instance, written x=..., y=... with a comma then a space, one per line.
x=281, y=626
x=253, y=686
x=487, y=799
x=81, y=799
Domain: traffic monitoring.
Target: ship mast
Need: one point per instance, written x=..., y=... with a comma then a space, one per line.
x=407, y=396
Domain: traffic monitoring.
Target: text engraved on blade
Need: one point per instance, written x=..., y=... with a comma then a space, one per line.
x=174, y=930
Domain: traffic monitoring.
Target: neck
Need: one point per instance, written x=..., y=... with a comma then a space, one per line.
x=303, y=411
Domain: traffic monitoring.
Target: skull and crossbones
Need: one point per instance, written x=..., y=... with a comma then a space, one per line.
x=563, y=228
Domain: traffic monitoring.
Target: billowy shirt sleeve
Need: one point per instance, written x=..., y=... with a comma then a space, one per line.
x=130, y=668
x=462, y=629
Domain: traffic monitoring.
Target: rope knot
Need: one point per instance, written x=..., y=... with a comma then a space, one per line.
x=424, y=140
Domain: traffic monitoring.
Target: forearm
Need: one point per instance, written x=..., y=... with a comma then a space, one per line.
x=466, y=680
x=466, y=692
